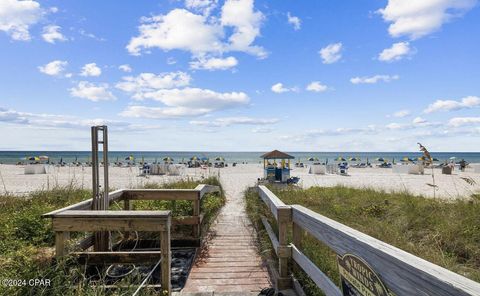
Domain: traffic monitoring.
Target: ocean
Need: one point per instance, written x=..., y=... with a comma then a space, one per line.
x=12, y=157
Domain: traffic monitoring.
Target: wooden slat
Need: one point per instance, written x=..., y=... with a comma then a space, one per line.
x=114, y=214
x=85, y=243
x=136, y=257
x=86, y=204
x=161, y=194
x=205, y=188
x=186, y=220
x=111, y=220
x=270, y=199
x=322, y=281
x=403, y=273
x=271, y=234
x=102, y=224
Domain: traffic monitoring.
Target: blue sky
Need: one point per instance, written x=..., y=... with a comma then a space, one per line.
x=241, y=75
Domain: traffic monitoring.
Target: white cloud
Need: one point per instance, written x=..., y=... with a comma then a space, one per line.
x=214, y=63
x=373, y=79
x=451, y=105
x=16, y=17
x=198, y=98
x=125, y=68
x=462, y=121
x=198, y=34
x=171, y=61
x=401, y=113
x=262, y=130
x=316, y=86
x=294, y=21
x=91, y=70
x=187, y=102
x=149, y=82
x=54, y=68
x=416, y=19
x=395, y=53
x=92, y=92
x=51, y=34
x=246, y=22
x=203, y=6
x=279, y=88
x=179, y=29
x=228, y=121
x=419, y=120
x=162, y=112
x=62, y=121
x=331, y=53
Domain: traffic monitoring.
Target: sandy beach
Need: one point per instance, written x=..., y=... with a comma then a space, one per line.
x=449, y=186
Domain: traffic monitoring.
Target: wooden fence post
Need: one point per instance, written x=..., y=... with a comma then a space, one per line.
x=166, y=258
x=126, y=207
x=298, y=233
x=60, y=238
x=284, y=214
x=196, y=212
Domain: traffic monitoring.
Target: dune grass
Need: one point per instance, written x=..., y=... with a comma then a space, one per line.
x=446, y=233
x=26, y=239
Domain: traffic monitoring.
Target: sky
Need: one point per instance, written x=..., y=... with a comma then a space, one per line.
x=241, y=75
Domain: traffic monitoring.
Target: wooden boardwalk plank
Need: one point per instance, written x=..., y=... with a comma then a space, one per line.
x=229, y=261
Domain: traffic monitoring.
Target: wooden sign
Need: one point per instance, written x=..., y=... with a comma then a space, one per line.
x=359, y=279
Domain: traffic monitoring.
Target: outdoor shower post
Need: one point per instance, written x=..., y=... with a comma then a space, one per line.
x=100, y=200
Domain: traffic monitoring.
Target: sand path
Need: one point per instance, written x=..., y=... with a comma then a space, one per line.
x=229, y=260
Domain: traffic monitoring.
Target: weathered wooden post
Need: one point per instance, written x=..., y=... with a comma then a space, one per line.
x=284, y=214
x=196, y=212
x=100, y=201
x=166, y=257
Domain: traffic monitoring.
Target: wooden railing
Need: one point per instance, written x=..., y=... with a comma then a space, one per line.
x=80, y=218
x=402, y=272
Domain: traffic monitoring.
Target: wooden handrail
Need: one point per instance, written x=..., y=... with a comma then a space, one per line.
x=402, y=272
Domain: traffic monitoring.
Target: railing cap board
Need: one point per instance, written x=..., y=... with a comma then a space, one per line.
x=206, y=188
x=272, y=201
x=114, y=214
x=86, y=204
x=403, y=273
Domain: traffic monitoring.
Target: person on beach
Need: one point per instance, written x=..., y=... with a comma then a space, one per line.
x=463, y=165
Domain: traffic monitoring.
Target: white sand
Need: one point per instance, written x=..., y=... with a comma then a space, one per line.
x=449, y=186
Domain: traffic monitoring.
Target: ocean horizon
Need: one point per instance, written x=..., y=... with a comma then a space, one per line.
x=12, y=157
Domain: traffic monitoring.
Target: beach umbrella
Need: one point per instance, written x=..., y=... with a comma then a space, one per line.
x=453, y=158
x=43, y=157
x=354, y=159
x=407, y=159
x=129, y=157
x=168, y=159
x=219, y=158
x=381, y=159
x=313, y=159
x=435, y=159
x=194, y=158
x=340, y=159
x=310, y=159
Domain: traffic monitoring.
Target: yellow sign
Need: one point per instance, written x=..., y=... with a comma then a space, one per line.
x=359, y=279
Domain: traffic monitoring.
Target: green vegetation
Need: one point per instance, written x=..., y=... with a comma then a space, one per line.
x=26, y=239
x=446, y=233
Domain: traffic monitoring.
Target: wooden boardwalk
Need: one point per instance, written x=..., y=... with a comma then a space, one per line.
x=229, y=261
